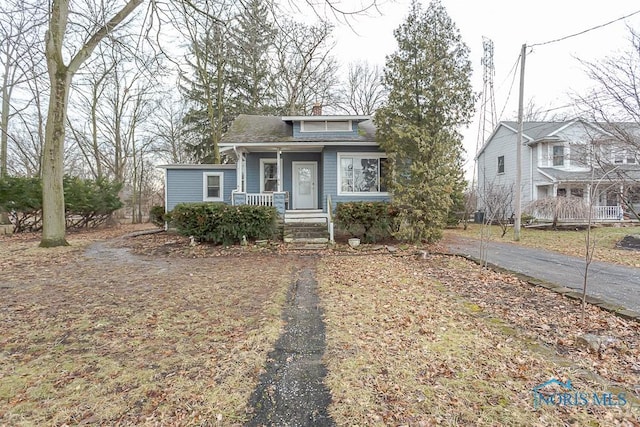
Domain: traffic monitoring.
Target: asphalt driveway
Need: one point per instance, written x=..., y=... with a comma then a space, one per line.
x=612, y=283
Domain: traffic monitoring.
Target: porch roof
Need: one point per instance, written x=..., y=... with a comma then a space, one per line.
x=621, y=173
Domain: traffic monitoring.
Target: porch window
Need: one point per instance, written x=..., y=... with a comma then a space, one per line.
x=361, y=173
x=213, y=185
x=558, y=155
x=269, y=175
x=500, y=164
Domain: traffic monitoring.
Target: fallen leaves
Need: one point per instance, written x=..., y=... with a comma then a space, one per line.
x=111, y=338
x=440, y=341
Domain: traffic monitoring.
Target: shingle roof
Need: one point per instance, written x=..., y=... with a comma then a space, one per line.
x=537, y=130
x=253, y=128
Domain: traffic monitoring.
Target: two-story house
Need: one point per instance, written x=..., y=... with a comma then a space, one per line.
x=298, y=164
x=569, y=158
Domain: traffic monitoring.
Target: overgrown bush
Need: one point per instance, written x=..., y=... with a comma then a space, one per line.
x=370, y=221
x=90, y=203
x=21, y=198
x=220, y=223
x=157, y=215
x=87, y=203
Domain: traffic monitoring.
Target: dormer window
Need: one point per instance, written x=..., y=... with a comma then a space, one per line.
x=325, y=126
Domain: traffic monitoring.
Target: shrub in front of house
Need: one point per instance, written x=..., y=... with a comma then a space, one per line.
x=370, y=221
x=225, y=224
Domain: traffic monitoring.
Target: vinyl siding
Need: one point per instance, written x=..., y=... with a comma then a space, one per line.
x=503, y=143
x=186, y=185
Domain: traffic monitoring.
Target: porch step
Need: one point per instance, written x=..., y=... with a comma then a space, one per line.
x=313, y=216
x=308, y=246
x=305, y=232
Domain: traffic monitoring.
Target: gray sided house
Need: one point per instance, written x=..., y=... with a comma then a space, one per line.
x=298, y=164
x=568, y=158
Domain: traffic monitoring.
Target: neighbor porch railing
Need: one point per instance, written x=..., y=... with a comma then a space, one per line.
x=607, y=212
x=599, y=213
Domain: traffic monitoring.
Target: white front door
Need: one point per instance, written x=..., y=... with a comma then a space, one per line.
x=305, y=194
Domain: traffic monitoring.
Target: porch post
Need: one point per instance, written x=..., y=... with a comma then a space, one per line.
x=279, y=169
x=239, y=160
x=555, y=190
x=588, y=194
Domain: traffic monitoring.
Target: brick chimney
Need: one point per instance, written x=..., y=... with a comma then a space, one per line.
x=316, y=110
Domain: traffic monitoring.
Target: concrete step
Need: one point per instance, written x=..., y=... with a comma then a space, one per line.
x=306, y=240
x=308, y=246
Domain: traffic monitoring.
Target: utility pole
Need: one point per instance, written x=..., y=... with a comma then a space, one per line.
x=516, y=225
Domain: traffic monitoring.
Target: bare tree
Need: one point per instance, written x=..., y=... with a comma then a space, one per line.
x=170, y=133
x=364, y=91
x=305, y=69
x=497, y=201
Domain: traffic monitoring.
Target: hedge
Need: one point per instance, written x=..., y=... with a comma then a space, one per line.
x=226, y=224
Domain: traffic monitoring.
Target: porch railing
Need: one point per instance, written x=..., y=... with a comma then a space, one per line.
x=599, y=213
x=607, y=212
x=260, y=199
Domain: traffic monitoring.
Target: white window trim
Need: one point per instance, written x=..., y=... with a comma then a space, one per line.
x=349, y=128
x=370, y=155
x=265, y=161
x=565, y=156
x=205, y=177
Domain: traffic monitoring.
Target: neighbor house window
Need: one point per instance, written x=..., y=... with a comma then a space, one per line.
x=269, y=175
x=558, y=155
x=326, y=126
x=213, y=187
x=361, y=173
x=501, y=164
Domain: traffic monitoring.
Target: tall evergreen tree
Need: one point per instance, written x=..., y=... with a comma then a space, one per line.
x=207, y=91
x=430, y=97
x=252, y=41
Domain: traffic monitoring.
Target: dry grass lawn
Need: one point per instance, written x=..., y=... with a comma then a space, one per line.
x=439, y=342
x=112, y=339
x=566, y=242
x=100, y=336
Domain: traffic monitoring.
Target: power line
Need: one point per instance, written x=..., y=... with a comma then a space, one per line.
x=585, y=31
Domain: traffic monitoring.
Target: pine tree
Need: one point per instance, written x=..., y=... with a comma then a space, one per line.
x=252, y=42
x=430, y=97
x=207, y=91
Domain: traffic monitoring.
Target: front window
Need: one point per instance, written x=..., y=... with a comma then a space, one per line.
x=212, y=191
x=362, y=173
x=269, y=176
x=558, y=155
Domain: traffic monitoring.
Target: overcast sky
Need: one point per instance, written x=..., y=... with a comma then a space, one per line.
x=552, y=71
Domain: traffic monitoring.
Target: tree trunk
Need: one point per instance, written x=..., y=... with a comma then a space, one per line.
x=53, y=215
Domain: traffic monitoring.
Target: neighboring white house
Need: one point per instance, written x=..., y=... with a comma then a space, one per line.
x=569, y=158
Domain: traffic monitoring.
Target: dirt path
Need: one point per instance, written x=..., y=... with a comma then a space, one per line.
x=292, y=392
